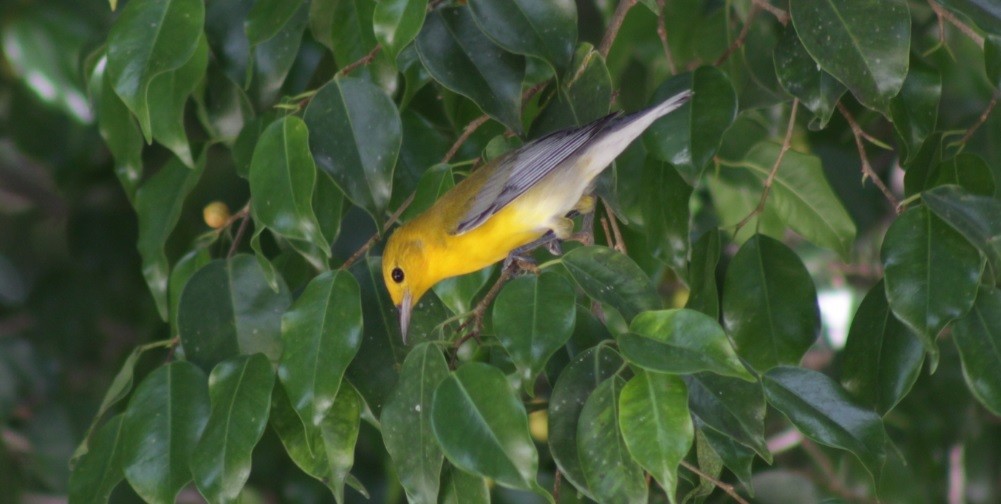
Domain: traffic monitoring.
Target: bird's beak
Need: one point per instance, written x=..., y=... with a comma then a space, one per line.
x=405, y=308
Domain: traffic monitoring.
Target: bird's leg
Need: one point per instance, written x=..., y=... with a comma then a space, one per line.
x=475, y=321
x=585, y=207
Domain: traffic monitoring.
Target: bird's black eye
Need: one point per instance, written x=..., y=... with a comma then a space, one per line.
x=397, y=275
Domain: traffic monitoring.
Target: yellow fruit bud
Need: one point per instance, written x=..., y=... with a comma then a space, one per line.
x=216, y=214
x=538, y=425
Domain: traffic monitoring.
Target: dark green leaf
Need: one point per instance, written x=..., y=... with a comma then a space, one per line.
x=224, y=109
x=613, y=278
x=656, y=425
x=460, y=57
x=149, y=38
x=168, y=94
x=346, y=27
x=396, y=23
x=100, y=470
x=732, y=407
x=406, y=424
x=770, y=304
x=328, y=206
x=735, y=456
x=240, y=391
x=460, y=487
x=975, y=217
x=704, y=294
x=978, y=338
x=158, y=207
x=801, y=77
x=122, y=135
x=434, y=182
x=931, y=274
x=546, y=30
x=922, y=170
x=227, y=309
x=164, y=419
x=339, y=432
x=665, y=214
x=533, y=317
x=273, y=58
x=583, y=98
x=611, y=473
x=985, y=13
x=915, y=109
x=355, y=137
x=179, y=276
x=680, y=341
x=870, y=58
x=966, y=170
x=267, y=17
x=711, y=466
x=824, y=412
x=457, y=293
x=482, y=427
x=992, y=59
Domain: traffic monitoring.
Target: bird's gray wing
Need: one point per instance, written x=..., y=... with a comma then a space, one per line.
x=520, y=170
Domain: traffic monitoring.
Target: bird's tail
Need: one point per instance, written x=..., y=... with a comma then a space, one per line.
x=669, y=105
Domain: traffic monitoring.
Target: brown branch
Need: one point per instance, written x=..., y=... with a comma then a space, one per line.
x=466, y=133
x=364, y=60
x=375, y=238
x=786, y=145
x=980, y=122
x=726, y=487
x=963, y=27
x=614, y=24
x=867, y=171
x=742, y=37
x=618, y=244
x=475, y=323
x=244, y=214
x=781, y=15
x=830, y=477
x=662, y=33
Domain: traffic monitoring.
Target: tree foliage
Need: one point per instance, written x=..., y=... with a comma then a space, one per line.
x=792, y=295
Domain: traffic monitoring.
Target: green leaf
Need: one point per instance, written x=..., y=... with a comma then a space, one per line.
x=975, y=217
x=824, y=412
x=735, y=456
x=656, y=425
x=703, y=295
x=321, y=333
x=460, y=57
x=546, y=30
x=121, y=134
x=273, y=58
x=582, y=98
x=158, y=207
x=915, y=109
x=396, y=23
x=482, y=426
x=992, y=59
x=297, y=438
x=931, y=273
x=164, y=419
x=665, y=214
x=179, y=276
x=460, y=487
x=150, y=38
x=689, y=137
x=769, y=304
x=986, y=13
x=458, y=293
x=268, y=17
x=347, y=28
x=801, y=196
x=100, y=471
x=228, y=309
x=282, y=181
x=680, y=341
x=612, y=278
x=611, y=473
x=801, y=77
x=882, y=358
x=870, y=58
x=731, y=407
x=356, y=137
x=240, y=391
x=575, y=384
x=978, y=338
x=168, y=94
x=533, y=317
x=339, y=432
x=406, y=424
x=966, y=170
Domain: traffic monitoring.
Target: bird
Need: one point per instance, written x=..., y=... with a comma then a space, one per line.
x=518, y=199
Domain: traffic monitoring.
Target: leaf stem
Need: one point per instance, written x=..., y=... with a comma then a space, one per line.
x=980, y=122
x=243, y=214
x=963, y=27
x=662, y=34
x=741, y=38
x=726, y=487
x=614, y=25
x=867, y=171
x=364, y=60
x=786, y=145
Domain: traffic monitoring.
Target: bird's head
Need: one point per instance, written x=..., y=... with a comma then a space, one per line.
x=405, y=271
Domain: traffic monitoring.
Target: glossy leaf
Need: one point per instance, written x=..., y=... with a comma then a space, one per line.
x=656, y=425
x=396, y=23
x=149, y=38
x=533, y=317
x=732, y=407
x=680, y=342
x=967, y=170
x=992, y=59
x=689, y=137
x=227, y=309
x=546, y=30
x=915, y=109
x=482, y=427
x=122, y=135
x=168, y=94
x=267, y=17
x=985, y=13
x=347, y=28
x=769, y=304
x=882, y=358
x=824, y=412
x=870, y=58
x=274, y=57
x=735, y=456
x=613, y=278
x=460, y=487
x=975, y=217
x=462, y=58
x=100, y=471
x=339, y=433
x=801, y=77
x=179, y=276
x=158, y=207
x=703, y=295
x=406, y=424
x=666, y=215
x=164, y=419
x=240, y=392
x=978, y=338
x=931, y=274
x=321, y=333
x=583, y=98
x=575, y=384
x=355, y=137
x=611, y=473
x=801, y=196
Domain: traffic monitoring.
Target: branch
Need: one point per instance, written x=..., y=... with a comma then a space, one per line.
x=742, y=37
x=726, y=487
x=781, y=15
x=662, y=33
x=614, y=24
x=364, y=60
x=375, y=238
x=466, y=133
x=244, y=214
x=867, y=171
x=963, y=27
x=830, y=477
x=980, y=122
x=786, y=145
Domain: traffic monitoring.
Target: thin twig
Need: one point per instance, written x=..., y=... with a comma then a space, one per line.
x=375, y=237
x=364, y=60
x=742, y=37
x=779, y=14
x=980, y=122
x=963, y=27
x=830, y=477
x=556, y=485
x=662, y=33
x=614, y=24
x=619, y=244
x=786, y=145
x=867, y=171
x=475, y=323
x=244, y=224
x=466, y=133
x=726, y=487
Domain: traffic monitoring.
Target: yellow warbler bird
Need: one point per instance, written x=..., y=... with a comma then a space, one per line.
x=508, y=203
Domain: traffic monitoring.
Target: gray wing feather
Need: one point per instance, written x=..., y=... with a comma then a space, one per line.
x=522, y=169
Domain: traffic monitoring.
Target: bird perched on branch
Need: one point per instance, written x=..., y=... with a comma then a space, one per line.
x=511, y=202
